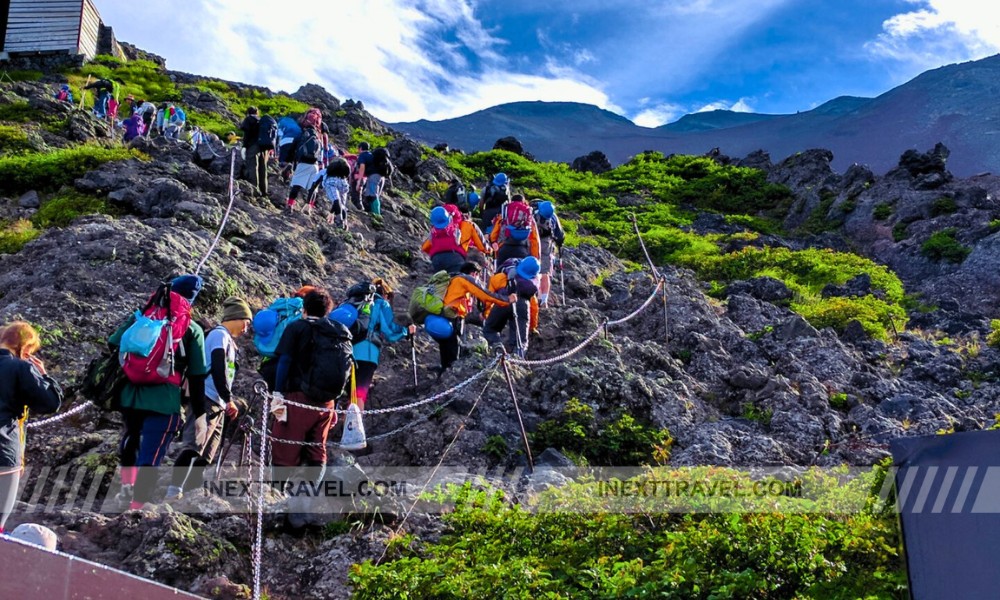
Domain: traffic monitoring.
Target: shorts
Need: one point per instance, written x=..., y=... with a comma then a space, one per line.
x=546, y=252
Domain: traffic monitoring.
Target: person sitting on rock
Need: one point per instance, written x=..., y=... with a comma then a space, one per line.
x=64, y=94
x=24, y=387
x=314, y=365
x=151, y=413
x=202, y=434
x=460, y=295
x=515, y=277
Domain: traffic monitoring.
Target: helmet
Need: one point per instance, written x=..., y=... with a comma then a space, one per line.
x=438, y=327
x=528, y=267
x=546, y=210
x=500, y=179
x=439, y=217
x=473, y=199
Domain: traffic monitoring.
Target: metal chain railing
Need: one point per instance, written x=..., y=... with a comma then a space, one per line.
x=55, y=419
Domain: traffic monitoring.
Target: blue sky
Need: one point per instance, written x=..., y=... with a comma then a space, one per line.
x=649, y=61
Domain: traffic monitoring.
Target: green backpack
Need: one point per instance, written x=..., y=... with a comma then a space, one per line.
x=428, y=299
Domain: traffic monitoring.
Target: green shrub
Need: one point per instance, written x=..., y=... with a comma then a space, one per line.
x=839, y=401
x=899, y=232
x=20, y=112
x=359, y=135
x=943, y=206
x=877, y=317
x=942, y=245
x=52, y=170
x=13, y=236
x=819, y=219
x=24, y=75
x=60, y=210
x=882, y=211
x=993, y=339
x=496, y=447
x=13, y=140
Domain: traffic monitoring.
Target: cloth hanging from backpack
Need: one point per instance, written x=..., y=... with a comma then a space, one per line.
x=353, y=437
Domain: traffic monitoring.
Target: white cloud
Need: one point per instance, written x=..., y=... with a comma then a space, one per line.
x=741, y=105
x=406, y=59
x=938, y=32
x=658, y=115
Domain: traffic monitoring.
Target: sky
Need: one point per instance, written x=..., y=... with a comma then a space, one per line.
x=651, y=62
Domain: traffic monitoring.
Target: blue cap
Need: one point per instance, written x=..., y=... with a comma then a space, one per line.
x=473, y=199
x=187, y=286
x=439, y=217
x=528, y=268
x=546, y=210
x=500, y=179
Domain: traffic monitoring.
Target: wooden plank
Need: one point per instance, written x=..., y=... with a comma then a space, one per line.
x=67, y=43
x=41, y=8
x=42, y=13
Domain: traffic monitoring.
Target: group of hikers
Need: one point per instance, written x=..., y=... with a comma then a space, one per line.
x=491, y=256
x=313, y=166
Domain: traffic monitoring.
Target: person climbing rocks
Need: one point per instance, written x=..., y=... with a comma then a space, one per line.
x=25, y=388
x=494, y=196
x=134, y=127
x=174, y=120
x=550, y=237
x=147, y=111
x=308, y=155
x=151, y=409
x=471, y=236
x=202, y=433
x=514, y=234
x=515, y=277
x=376, y=175
x=104, y=89
x=378, y=326
x=462, y=290
x=443, y=244
x=362, y=168
x=314, y=365
x=337, y=191
x=255, y=161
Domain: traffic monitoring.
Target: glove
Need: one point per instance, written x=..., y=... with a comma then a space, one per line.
x=278, y=407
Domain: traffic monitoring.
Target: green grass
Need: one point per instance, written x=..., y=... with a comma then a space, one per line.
x=51, y=170
x=359, y=135
x=13, y=236
x=63, y=208
x=882, y=211
x=14, y=140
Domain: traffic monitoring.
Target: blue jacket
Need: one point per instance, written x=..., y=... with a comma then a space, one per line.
x=381, y=325
x=21, y=385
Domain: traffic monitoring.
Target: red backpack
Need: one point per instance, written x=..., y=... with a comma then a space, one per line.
x=448, y=239
x=160, y=366
x=516, y=221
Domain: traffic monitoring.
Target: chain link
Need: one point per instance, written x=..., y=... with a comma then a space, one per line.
x=258, y=543
x=69, y=413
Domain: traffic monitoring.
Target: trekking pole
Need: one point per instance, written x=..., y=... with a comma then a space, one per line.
x=562, y=279
x=83, y=92
x=413, y=360
x=517, y=330
x=517, y=409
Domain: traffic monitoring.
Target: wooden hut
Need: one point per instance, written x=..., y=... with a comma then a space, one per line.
x=49, y=27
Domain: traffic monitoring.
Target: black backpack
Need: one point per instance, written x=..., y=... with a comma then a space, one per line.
x=307, y=147
x=381, y=163
x=267, y=138
x=456, y=194
x=495, y=196
x=330, y=361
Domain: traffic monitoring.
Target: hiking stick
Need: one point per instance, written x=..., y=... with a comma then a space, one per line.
x=562, y=279
x=413, y=359
x=517, y=409
x=83, y=92
x=517, y=330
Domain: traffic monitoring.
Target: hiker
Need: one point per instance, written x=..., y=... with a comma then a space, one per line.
x=147, y=111
x=24, y=387
x=443, y=243
x=151, y=399
x=308, y=155
x=134, y=127
x=550, y=236
x=494, y=196
x=515, y=276
x=269, y=325
x=199, y=137
x=289, y=130
x=471, y=236
x=64, y=94
x=374, y=324
x=457, y=195
x=174, y=121
x=202, y=433
x=337, y=191
x=314, y=364
x=104, y=89
x=376, y=177
x=457, y=299
x=255, y=161
x=514, y=234
x=130, y=105
x=362, y=168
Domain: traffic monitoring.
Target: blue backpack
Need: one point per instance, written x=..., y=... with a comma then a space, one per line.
x=288, y=128
x=270, y=323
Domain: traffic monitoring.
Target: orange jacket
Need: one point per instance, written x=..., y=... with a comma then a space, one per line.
x=534, y=242
x=462, y=289
x=498, y=285
x=471, y=236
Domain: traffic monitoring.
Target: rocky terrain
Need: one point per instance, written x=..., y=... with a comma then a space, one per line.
x=740, y=381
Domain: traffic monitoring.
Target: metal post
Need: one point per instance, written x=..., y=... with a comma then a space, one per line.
x=517, y=409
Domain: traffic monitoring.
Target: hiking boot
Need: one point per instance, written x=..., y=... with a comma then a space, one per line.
x=123, y=499
x=173, y=493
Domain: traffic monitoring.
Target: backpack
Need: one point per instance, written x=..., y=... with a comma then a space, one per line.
x=448, y=239
x=267, y=138
x=356, y=312
x=330, y=352
x=516, y=221
x=381, y=163
x=495, y=196
x=269, y=324
x=104, y=381
x=149, y=347
x=288, y=128
x=456, y=194
x=428, y=299
x=63, y=95
x=307, y=147
x=509, y=269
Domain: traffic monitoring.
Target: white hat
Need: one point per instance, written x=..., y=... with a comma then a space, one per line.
x=38, y=535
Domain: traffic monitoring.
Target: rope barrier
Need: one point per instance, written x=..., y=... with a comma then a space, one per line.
x=641, y=308
x=69, y=413
x=225, y=217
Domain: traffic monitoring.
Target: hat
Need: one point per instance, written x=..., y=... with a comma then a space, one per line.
x=235, y=309
x=187, y=286
x=546, y=210
x=528, y=268
x=439, y=217
x=36, y=534
x=500, y=179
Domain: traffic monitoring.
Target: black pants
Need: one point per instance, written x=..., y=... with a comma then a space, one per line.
x=256, y=168
x=449, y=347
x=502, y=316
